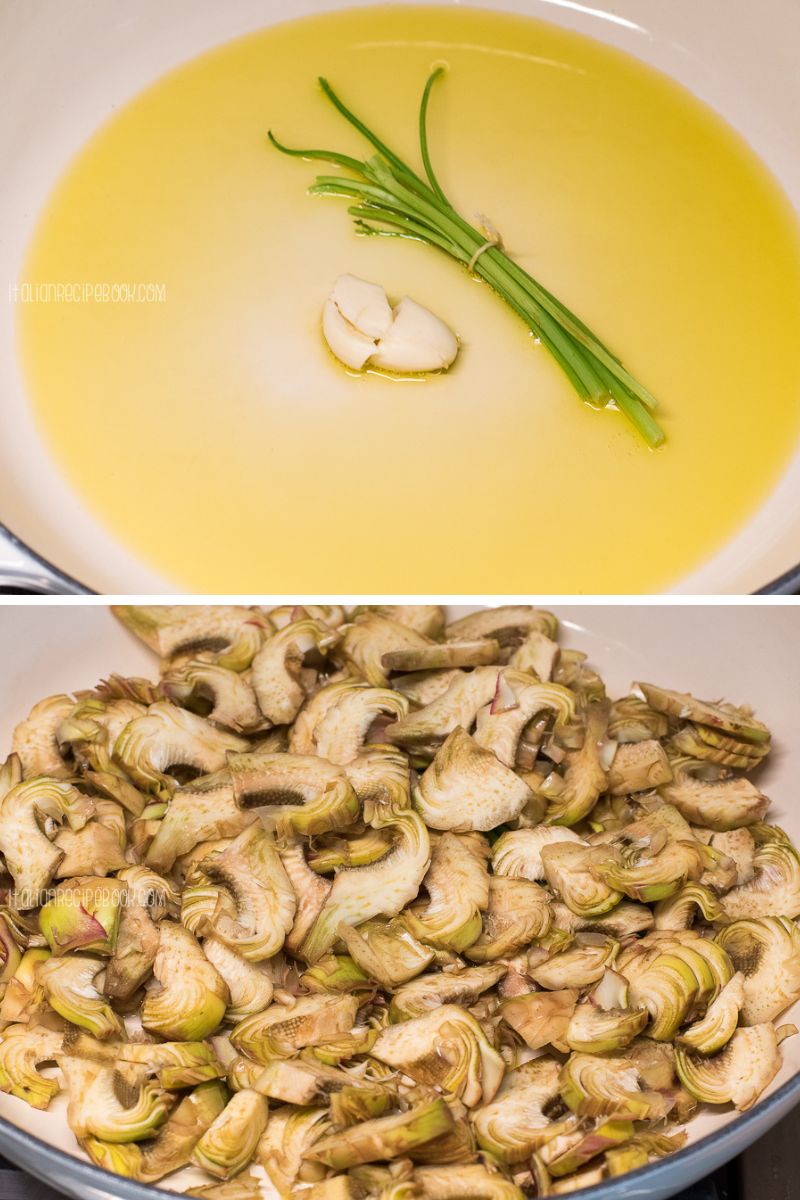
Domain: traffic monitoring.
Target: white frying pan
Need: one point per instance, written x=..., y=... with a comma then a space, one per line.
x=65, y=66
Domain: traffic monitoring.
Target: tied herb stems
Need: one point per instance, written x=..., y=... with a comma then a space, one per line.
x=391, y=200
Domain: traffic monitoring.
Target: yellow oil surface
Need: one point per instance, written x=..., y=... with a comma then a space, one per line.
x=216, y=435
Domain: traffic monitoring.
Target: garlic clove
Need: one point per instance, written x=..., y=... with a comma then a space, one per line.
x=347, y=343
x=417, y=341
x=364, y=305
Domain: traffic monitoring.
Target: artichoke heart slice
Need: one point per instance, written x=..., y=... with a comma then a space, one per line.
x=191, y=997
x=370, y=637
x=774, y=888
x=766, y=951
x=598, y=1139
x=84, y=914
x=24, y=992
x=721, y=804
x=30, y=856
x=70, y=989
x=579, y=875
x=652, y=876
x=421, y=732
x=34, y=743
x=468, y=788
x=677, y=911
x=289, y=1136
x=447, y=1049
x=224, y=697
x=167, y=739
x=280, y=1030
x=22, y=1051
x=518, y=911
x=719, y=1023
x=518, y=852
x=593, y=1031
x=584, y=777
x=251, y=870
x=538, y=654
x=514, y=1124
x=520, y=697
x=727, y=718
x=249, y=986
x=471, y=1180
x=457, y=883
x=296, y=1081
x=594, y=1086
x=229, y=1143
x=201, y=811
x=541, y=1018
x=579, y=963
x=386, y=951
x=329, y=852
x=381, y=889
x=739, y=1073
x=114, y=1104
x=277, y=672
x=299, y=793
x=230, y=633
x=508, y=624
x=429, y=992
x=633, y=720
x=342, y=731
x=638, y=767
x=384, y=1138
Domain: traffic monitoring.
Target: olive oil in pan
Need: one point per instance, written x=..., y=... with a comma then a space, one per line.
x=215, y=434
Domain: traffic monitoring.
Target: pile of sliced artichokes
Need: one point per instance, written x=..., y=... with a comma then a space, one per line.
x=369, y=905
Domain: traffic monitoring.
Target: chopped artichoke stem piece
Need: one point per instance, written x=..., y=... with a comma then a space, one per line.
x=542, y=1018
x=469, y=652
x=229, y=1143
x=30, y=856
x=508, y=624
x=447, y=1049
x=385, y=1138
x=766, y=951
x=276, y=673
x=519, y=851
x=202, y=811
x=739, y=1073
x=70, y=989
x=22, y=1051
x=386, y=951
x=457, y=883
x=83, y=914
x=251, y=871
x=280, y=1030
x=638, y=767
x=112, y=1104
x=381, y=889
x=467, y=787
x=191, y=998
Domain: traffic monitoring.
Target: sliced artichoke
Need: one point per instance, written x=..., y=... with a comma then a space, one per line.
x=96, y=849
x=633, y=720
x=541, y=1018
x=222, y=696
x=134, y=953
x=518, y=911
x=385, y=1138
x=515, y=1124
x=201, y=811
x=581, y=963
x=774, y=888
x=584, y=777
x=342, y=731
x=302, y=738
x=678, y=911
x=280, y=1030
x=422, y=687
x=518, y=852
x=468, y=652
x=508, y=624
x=381, y=777
x=475, y=1181
x=23, y=991
x=637, y=767
x=83, y=914
x=330, y=852
x=34, y=740
x=386, y=951
x=457, y=884
x=592, y=1030
x=112, y=1104
x=311, y=891
x=69, y=984
x=298, y=793
x=229, y=1143
x=718, y=1025
x=249, y=986
x=423, y=731
x=538, y=654
x=337, y=973
x=727, y=718
x=191, y=997
x=277, y=673
x=296, y=1081
x=595, y=1086
x=231, y=633
x=30, y=856
x=156, y=749
x=700, y=742
x=766, y=951
x=289, y=1136
x=429, y=992
x=579, y=874
x=597, y=1139
x=381, y=889
x=467, y=787
x=621, y=923
x=251, y=871
x=738, y=845
x=720, y=804
x=739, y=1073
x=23, y=1050
x=519, y=698
x=446, y=1049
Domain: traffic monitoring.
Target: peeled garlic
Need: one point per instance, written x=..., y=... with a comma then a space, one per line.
x=361, y=328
